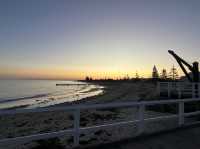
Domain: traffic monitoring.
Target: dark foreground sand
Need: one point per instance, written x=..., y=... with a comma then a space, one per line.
x=26, y=124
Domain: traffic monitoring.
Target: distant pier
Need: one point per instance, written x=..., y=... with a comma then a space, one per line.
x=60, y=84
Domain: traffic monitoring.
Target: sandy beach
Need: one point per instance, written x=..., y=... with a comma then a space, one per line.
x=26, y=124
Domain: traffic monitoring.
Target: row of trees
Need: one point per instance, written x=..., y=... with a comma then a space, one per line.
x=164, y=75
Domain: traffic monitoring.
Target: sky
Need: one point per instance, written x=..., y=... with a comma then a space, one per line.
x=71, y=39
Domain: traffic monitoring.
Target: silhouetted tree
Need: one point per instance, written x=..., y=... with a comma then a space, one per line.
x=137, y=75
x=173, y=74
x=87, y=78
x=164, y=74
x=155, y=74
x=126, y=77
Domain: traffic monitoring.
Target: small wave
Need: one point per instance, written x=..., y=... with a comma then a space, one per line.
x=22, y=98
x=90, y=90
x=52, y=97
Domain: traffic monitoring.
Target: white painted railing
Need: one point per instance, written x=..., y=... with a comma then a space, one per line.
x=77, y=130
x=181, y=89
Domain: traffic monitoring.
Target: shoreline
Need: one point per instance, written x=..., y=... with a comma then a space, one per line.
x=32, y=123
x=115, y=91
x=80, y=94
x=112, y=91
x=103, y=97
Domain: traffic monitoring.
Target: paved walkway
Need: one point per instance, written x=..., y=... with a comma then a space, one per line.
x=185, y=138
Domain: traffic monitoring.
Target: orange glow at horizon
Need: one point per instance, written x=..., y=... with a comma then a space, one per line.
x=67, y=74
x=59, y=73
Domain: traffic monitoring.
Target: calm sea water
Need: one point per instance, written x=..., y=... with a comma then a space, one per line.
x=42, y=93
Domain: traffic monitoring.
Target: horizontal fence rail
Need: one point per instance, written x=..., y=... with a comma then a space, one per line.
x=180, y=89
x=76, y=109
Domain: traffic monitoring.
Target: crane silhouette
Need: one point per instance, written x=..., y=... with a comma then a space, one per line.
x=194, y=68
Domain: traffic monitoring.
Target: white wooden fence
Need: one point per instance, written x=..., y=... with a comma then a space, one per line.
x=181, y=89
x=77, y=130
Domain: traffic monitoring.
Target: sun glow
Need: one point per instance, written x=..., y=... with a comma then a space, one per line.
x=59, y=73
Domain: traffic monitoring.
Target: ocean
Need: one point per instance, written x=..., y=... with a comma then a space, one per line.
x=42, y=93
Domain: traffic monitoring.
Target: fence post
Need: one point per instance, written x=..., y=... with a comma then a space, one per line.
x=195, y=93
x=196, y=90
x=158, y=88
x=193, y=90
x=141, y=118
x=179, y=91
x=76, y=127
x=169, y=89
x=181, y=113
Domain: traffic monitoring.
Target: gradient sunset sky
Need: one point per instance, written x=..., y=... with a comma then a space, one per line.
x=69, y=39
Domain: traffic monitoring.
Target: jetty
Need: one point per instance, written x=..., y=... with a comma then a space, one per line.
x=65, y=84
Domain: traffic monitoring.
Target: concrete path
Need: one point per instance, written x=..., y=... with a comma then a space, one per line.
x=184, y=138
